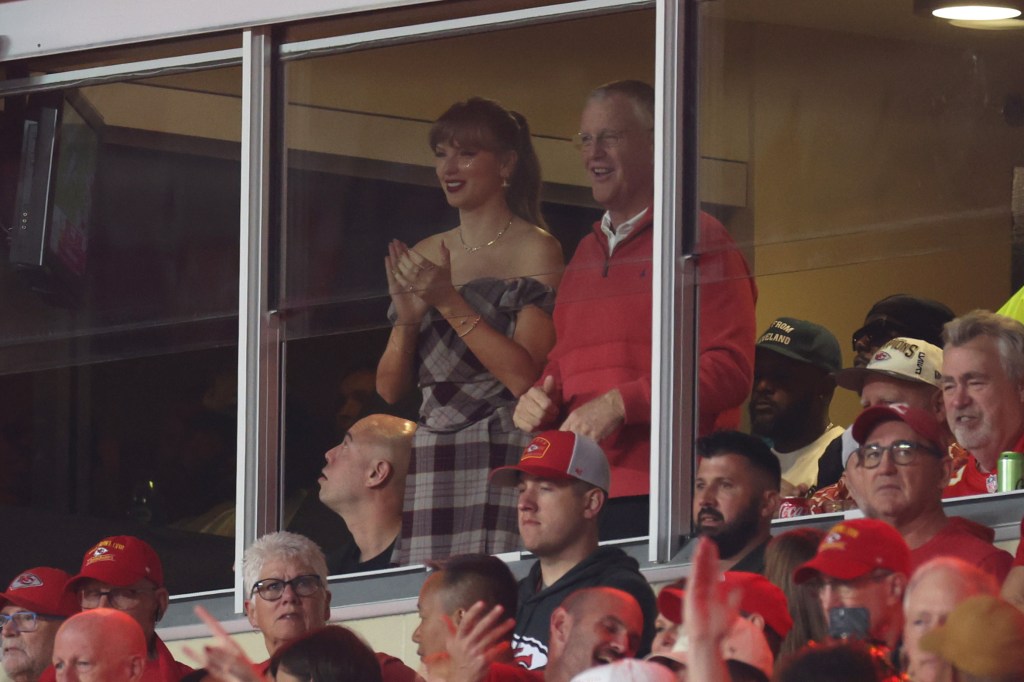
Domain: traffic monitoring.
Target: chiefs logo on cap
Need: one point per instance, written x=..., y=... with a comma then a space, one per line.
x=26, y=580
x=881, y=355
x=536, y=449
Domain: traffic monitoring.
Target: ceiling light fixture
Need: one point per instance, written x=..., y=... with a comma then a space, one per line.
x=968, y=10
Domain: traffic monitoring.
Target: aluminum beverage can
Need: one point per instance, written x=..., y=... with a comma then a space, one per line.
x=794, y=506
x=1011, y=471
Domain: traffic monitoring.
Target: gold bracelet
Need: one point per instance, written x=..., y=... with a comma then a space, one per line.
x=476, y=321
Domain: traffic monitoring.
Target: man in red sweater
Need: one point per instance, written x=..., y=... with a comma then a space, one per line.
x=598, y=378
x=983, y=389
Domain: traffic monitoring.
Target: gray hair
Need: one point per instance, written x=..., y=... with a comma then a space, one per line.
x=639, y=93
x=281, y=546
x=972, y=579
x=1007, y=332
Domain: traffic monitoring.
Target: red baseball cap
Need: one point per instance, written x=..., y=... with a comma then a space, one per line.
x=758, y=595
x=559, y=456
x=121, y=560
x=923, y=423
x=41, y=590
x=852, y=549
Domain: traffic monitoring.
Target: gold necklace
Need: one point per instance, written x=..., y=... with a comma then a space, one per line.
x=471, y=249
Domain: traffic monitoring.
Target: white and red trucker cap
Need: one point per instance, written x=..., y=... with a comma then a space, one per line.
x=559, y=456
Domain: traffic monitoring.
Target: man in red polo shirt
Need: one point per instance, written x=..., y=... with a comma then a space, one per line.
x=983, y=389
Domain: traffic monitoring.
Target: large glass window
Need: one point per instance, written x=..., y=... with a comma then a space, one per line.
x=865, y=151
x=119, y=279
x=360, y=172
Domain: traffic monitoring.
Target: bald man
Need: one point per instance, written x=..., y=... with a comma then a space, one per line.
x=593, y=626
x=364, y=483
x=100, y=645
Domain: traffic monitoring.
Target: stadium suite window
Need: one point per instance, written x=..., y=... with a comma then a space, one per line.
x=119, y=295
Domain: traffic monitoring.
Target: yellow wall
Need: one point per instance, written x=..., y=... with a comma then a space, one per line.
x=876, y=167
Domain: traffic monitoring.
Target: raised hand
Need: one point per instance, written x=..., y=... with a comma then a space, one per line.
x=224, y=661
x=537, y=408
x=409, y=307
x=478, y=641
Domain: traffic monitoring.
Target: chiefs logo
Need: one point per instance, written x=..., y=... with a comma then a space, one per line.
x=26, y=580
x=529, y=653
x=100, y=551
x=536, y=449
x=881, y=355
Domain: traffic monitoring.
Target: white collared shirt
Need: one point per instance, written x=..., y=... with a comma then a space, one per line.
x=617, y=234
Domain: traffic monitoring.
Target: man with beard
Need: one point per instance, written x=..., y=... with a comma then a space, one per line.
x=793, y=386
x=735, y=496
x=983, y=390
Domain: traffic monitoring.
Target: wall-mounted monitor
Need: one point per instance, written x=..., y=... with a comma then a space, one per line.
x=49, y=239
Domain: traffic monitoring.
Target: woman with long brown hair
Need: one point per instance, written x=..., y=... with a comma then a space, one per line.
x=471, y=309
x=784, y=553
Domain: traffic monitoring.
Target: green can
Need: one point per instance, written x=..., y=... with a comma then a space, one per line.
x=1011, y=471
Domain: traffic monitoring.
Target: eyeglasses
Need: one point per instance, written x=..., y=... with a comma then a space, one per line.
x=606, y=139
x=120, y=598
x=25, y=621
x=848, y=588
x=271, y=589
x=876, y=333
x=903, y=452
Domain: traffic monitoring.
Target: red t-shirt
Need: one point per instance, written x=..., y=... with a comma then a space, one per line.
x=967, y=540
x=971, y=480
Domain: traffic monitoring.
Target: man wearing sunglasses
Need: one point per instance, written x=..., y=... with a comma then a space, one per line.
x=899, y=315
x=124, y=573
x=31, y=611
x=898, y=474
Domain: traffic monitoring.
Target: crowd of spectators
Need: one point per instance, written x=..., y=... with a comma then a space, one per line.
x=535, y=434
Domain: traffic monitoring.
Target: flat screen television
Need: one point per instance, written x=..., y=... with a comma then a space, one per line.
x=49, y=239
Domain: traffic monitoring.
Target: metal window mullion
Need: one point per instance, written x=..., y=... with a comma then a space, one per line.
x=258, y=355
x=673, y=375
